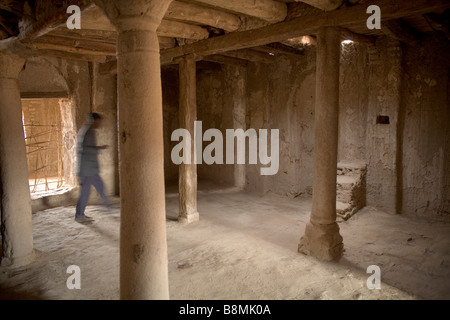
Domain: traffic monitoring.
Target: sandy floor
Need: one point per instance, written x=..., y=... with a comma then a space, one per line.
x=244, y=247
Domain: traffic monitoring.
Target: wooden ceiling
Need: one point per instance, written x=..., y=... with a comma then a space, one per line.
x=190, y=25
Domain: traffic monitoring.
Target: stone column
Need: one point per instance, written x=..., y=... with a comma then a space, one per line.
x=16, y=229
x=143, y=243
x=187, y=181
x=322, y=239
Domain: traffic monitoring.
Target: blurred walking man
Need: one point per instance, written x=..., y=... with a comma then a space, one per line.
x=88, y=168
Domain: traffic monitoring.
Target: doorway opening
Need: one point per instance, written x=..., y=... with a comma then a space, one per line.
x=44, y=132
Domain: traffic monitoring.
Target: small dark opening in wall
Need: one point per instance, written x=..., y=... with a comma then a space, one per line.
x=382, y=119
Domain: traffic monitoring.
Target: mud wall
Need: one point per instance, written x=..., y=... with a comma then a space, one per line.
x=353, y=101
x=426, y=127
x=383, y=141
x=281, y=96
x=215, y=110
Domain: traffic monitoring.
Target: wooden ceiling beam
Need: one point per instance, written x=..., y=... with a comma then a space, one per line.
x=268, y=10
x=52, y=19
x=101, y=36
x=65, y=55
x=190, y=12
x=94, y=19
x=75, y=44
x=250, y=55
x=40, y=95
x=177, y=29
x=73, y=50
x=217, y=58
x=86, y=34
x=326, y=5
x=281, y=48
x=303, y=25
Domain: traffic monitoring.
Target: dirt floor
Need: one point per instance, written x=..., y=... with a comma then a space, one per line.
x=244, y=247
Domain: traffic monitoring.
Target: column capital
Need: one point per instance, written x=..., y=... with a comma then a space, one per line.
x=11, y=65
x=134, y=15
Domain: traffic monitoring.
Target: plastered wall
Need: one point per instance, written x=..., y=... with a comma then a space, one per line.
x=426, y=128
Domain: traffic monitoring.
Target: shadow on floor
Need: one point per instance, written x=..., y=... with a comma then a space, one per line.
x=14, y=294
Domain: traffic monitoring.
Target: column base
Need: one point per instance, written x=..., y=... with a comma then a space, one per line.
x=322, y=242
x=16, y=262
x=188, y=218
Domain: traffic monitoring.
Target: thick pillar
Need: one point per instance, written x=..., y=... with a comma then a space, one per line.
x=187, y=181
x=16, y=226
x=143, y=243
x=322, y=239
